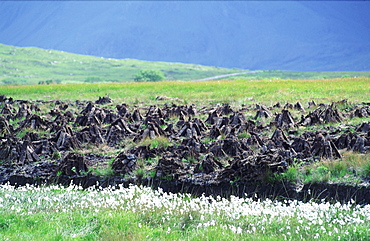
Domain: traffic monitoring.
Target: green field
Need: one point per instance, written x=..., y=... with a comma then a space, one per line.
x=25, y=66
x=137, y=213
x=236, y=92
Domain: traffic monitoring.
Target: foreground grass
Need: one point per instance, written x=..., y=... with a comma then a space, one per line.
x=56, y=213
x=352, y=168
x=238, y=92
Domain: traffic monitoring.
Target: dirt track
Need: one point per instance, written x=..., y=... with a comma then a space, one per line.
x=227, y=75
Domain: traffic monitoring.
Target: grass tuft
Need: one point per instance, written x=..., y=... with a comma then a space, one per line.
x=157, y=142
x=351, y=168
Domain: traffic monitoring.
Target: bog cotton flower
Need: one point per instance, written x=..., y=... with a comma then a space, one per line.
x=202, y=211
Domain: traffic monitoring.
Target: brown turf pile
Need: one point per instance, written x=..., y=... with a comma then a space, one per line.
x=226, y=145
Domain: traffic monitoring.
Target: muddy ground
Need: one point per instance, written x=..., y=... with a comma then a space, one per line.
x=216, y=150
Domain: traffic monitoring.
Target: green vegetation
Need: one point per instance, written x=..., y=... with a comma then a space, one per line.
x=352, y=168
x=136, y=213
x=148, y=75
x=104, y=169
x=157, y=142
x=236, y=93
x=279, y=74
x=25, y=66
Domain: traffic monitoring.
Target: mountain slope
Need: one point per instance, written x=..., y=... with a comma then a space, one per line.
x=288, y=35
x=33, y=65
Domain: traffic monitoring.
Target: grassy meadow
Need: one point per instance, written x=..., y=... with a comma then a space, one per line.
x=139, y=213
x=235, y=92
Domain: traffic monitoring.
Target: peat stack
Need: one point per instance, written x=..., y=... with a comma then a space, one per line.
x=92, y=115
x=323, y=114
x=153, y=130
x=331, y=115
x=311, y=119
x=284, y=120
x=23, y=111
x=180, y=111
x=23, y=152
x=8, y=111
x=280, y=139
x=225, y=109
x=353, y=142
x=299, y=106
x=258, y=167
x=237, y=118
x=65, y=139
x=194, y=145
x=103, y=100
x=212, y=116
x=88, y=109
x=234, y=147
x=359, y=145
x=221, y=121
x=19, y=152
x=262, y=112
x=92, y=134
x=248, y=169
x=346, y=141
x=9, y=150
x=214, y=133
x=136, y=116
x=45, y=148
x=302, y=147
x=155, y=112
x=117, y=131
x=87, y=119
x=64, y=119
x=73, y=164
x=208, y=164
x=170, y=166
x=324, y=148
x=34, y=122
x=255, y=140
x=122, y=110
x=124, y=163
x=361, y=112
x=143, y=152
x=190, y=129
x=5, y=128
x=364, y=127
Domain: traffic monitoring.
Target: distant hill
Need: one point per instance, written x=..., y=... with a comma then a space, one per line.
x=20, y=65
x=29, y=65
x=286, y=35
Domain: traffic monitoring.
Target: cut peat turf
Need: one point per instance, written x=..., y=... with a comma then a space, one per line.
x=211, y=150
